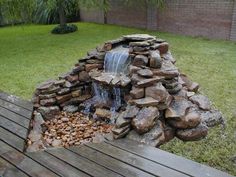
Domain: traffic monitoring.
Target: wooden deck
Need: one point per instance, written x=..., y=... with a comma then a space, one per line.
x=117, y=158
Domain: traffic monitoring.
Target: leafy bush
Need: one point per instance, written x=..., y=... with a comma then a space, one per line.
x=68, y=28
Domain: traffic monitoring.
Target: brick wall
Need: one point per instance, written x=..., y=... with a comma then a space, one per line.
x=233, y=27
x=208, y=18
x=91, y=15
x=121, y=14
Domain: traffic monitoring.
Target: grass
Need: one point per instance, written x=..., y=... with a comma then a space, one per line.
x=30, y=55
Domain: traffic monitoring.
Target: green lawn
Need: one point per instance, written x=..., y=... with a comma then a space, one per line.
x=30, y=55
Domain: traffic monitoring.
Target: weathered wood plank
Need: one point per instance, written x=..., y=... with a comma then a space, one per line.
x=13, y=127
x=16, y=100
x=136, y=161
x=23, y=162
x=12, y=139
x=168, y=159
x=19, y=110
x=8, y=170
x=82, y=163
x=108, y=162
x=15, y=117
x=56, y=165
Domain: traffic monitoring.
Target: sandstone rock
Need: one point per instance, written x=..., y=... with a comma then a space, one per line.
x=157, y=91
x=140, y=60
x=70, y=108
x=171, y=85
x=137, y=93
x=131, y=112
x=49, y=112
x=148, y=82
x=190, y=120
x=147, y=101
x=47, y=96
x=169, y=132
x=103, y=113
x=77, y=100
x=63, y=98
x=155, y=59
x=154, y=137
x=95, y=73
x=48, y=102
x=189, y=94
x=77, y=69
x=120, y=132
x=212, y=117
x=46, y=85
x=175, y=90
x=138, y=37
x=52, y=89
x=138, y=49
x=145, y=119
x=72, y=78
x=177, y=108
x=167, y=70
x=133, y=69
x=63, y=91
x=76, y=93
x=105, y=78
x=192, y=134
x=202, y=101
x=84, y=76
x=168, y=56
x=121, y=121
x=192, y=86
x=124, y=80
x=89, y=67
x=145, y=72
x=72, y=84
x=136, y=78
x=94, y=61
x=163, y=48
x=139, y=44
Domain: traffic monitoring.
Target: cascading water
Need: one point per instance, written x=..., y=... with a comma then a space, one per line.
x=115, y=63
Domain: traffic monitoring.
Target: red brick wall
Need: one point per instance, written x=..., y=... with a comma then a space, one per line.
x=121, y=14
x=209, y=18
x=91, y=15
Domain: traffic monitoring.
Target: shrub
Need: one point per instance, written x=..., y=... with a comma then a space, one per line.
x=68, y=28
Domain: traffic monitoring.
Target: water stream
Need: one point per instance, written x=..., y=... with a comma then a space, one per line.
x=116, y=62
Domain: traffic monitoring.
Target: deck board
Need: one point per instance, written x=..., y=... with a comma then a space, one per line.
x=109, y=162
x=16, y=100
x=13, y=127
x=143, y=164
x=8, y=170
x=14, y=117
x=56, y=165
x=168, y=159
x=82, y=163
x=23, y=162
x=16, y=109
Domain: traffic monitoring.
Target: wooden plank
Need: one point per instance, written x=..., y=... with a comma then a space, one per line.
x=168, y=159
x=12, y=139
x=13, y=127
x=136, y=161
x=23, y=162
x=108, y=162
x=16, y=109
x=82, y=163
x=16, y=100
x=56, y=165
x=15, y=117
x=8, y=170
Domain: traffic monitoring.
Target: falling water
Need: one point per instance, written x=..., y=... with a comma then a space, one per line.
x=116, y=62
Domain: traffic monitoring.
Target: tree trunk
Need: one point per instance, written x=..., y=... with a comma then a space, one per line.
x=62, y=16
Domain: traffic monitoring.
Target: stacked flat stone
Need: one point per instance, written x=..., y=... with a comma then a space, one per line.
x=161, y=102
